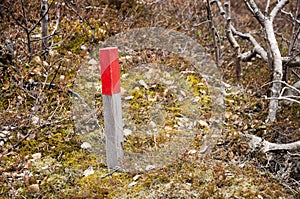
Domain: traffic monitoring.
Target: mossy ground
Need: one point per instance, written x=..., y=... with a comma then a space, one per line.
x=59, y=173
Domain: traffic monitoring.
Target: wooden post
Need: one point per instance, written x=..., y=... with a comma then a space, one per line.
x=110, y=76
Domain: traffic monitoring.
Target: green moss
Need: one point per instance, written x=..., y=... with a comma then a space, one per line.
x=39, y=165
x=29, y=147
x=198, y=85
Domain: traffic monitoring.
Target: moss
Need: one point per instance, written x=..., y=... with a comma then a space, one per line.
x=29, y=147
x=78, y=34
x=39, y=165
x=54, y=184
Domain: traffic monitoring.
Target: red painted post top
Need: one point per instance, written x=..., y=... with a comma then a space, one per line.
x=110, y=70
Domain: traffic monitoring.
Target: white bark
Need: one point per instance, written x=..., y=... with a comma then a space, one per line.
x=289, y=93
x=270, y=54
x=277, y=8
x=277, y=67
x=267, y=22
x=257, y=143
x=257, y=48
x=231, y=38
x=292, y=94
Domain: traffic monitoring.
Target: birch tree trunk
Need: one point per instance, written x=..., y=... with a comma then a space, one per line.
x=277, y=70
x=266, y=20
x=44, y=14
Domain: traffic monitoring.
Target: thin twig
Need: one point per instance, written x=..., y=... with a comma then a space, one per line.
x=283, y=82
x=213, y=32
x=73, y=93
x=111, y=173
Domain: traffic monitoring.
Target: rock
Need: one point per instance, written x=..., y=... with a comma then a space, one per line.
x=86, y=145
x=127, y=132
x=89, y=171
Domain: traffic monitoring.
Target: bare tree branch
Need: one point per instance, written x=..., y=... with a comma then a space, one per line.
x=293, y=38
x=255, y=11
x=271, y=54
x=292, y=94
x=28, y=30
x=276, y=9
x=213, y=30
x=267, y=7
x=57, y=21
x=291, y=61
x=232, y=40
x=219, y=4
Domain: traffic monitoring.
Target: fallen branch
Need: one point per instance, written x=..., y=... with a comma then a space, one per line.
x=258, y=143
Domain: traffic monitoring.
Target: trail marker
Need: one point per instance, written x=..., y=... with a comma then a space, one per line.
x=110, y=77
